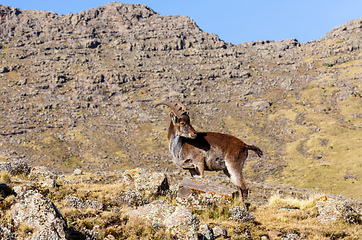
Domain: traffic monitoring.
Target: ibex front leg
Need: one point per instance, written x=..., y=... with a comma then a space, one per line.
x=199, y=167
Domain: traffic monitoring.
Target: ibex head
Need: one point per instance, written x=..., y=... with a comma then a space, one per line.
x=180, y=119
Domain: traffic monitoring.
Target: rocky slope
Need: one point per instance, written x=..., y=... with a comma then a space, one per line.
x=78, y=91
x=37, y=204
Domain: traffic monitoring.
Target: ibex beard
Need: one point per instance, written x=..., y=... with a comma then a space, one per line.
x=206, y=151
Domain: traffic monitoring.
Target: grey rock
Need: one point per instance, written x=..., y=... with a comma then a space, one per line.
x=46, y=234
x=331, y=209
x=133, y=198
x=49, y=183
x=205, y=232
x=41, y=172
x=260, y=105
x=77, y=171
x=203, y=185
x=92, y=44
x=198, y=193
x=182, y=223
x=155, y=212
x=4, y=69
x=241, y=214
x=219, y=232
x=179, y=221
x=16, y=166
x=77, y=203
x=39, y=213
x=145, y=182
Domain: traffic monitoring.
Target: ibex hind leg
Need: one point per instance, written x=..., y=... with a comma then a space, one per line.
x=237, y=178
x=243, y=188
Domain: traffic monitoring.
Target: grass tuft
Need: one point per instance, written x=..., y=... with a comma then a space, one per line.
x=5, y=177
x=301, y=204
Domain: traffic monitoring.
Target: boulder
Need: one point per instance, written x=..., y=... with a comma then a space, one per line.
x=179, y=221
x=91, y=44
x=49, y=183
x=77, y=203
x=200, y=193
x=219, y=232
x=4, y=69
x=182, y=223
x=241, y=214
x=41, y=172
x=331, y=209
x=145, y=182
x=16, y=166
x=155, y=212
x=133, y=198
x=38, y=212
x=77, y=171
x=205, y=232
x=201, y=185
x=260, y=105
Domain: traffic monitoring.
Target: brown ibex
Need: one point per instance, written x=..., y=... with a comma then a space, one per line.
x=206, y=151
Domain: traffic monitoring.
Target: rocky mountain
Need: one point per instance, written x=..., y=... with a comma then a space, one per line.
x=78, y=91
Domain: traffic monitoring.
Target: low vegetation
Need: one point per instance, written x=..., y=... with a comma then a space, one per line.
x=281, y=218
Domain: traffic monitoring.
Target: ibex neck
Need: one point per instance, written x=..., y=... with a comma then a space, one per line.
x=175, y=143
x=171, y=131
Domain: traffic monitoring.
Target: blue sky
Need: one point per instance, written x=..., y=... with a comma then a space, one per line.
x=235, y=21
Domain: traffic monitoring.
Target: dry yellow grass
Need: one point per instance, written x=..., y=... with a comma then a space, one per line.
x=301, y=204
x=5, y=177
x=305, y=222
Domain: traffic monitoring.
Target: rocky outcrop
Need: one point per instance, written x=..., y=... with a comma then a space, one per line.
x=96, y=206
x=39, y=213
x=15, y=167
x=178, y=220
x=332, y=209
x=201, y=193
x=241, y=214
x=77, y=203
x=134, y=26
x=145, y=182
x=202, y=186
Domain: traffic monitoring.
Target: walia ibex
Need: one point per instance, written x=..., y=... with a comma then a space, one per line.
x=210, y=151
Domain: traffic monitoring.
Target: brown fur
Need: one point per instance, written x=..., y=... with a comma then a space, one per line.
x=208, y=151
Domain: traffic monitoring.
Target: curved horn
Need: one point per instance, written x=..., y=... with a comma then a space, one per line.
x=178, y=108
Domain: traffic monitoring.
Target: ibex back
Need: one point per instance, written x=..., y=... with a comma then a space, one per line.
x=210, y=151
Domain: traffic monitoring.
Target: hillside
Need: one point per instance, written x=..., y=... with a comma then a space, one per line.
x=78, y=91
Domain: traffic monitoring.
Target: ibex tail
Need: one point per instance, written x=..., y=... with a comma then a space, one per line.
x=255, y=149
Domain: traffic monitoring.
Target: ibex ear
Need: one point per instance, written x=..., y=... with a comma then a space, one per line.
x=173, y=117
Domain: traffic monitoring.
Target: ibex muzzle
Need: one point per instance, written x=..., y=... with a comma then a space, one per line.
x=206, y=151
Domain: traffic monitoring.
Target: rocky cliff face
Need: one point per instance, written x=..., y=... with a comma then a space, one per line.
x=79, y=90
